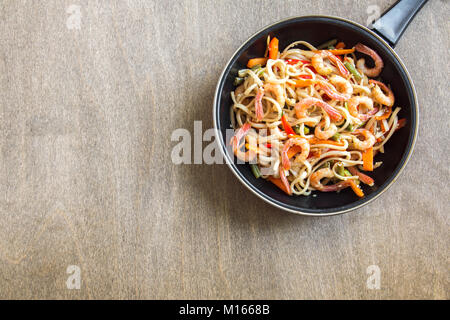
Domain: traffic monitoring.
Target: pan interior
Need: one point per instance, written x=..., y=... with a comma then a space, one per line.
x=317, y=30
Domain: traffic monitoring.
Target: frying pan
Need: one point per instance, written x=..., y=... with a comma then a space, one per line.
x=316, y=30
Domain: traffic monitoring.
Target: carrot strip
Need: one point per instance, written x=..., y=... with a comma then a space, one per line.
x=273, y=49
x=383, y=128
x=385, y=115
x=255, y=61
x=356, y=189
x=318, y=141
x=304, y=83
x=368, y=159
x=279, y=184
x=340, y=45
x=341, y=51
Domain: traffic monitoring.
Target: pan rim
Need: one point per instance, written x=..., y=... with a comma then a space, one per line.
x=332, y=212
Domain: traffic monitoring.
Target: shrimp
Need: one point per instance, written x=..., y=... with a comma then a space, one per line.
x=342, y=69
x=355, y=102
x=361, y=63
x=318, y=63
x=379, y=96
x=302, y=106
x=369, y=139
x=277, y=91
x=298, y=141
x=345, y=89
x=285, y=181
x=258, y=104
x=235, y=143
x=326, y=173
x=325, y=134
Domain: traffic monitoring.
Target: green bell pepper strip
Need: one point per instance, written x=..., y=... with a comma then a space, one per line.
x=353, y=71
x=255, y=170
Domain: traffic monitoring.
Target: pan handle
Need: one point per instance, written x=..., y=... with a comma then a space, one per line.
x=394, y=21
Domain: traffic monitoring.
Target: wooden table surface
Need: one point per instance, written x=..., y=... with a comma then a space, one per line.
x=90, y=93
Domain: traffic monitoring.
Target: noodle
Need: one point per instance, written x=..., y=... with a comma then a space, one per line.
x=310, y=101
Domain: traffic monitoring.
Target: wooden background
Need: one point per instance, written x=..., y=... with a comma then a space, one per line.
x=87, y=179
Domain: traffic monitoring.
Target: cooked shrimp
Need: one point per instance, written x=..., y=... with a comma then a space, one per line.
x=285, y=181
x=379, y=96
x=277, y=91
x=302, y=107
x=342, y=69
x=236, y=145
x=343, y=91
x=325, y=134
x=319, y=175
x=326, y=173
x=258, y=104
x=318, y=63
x=344, y=86
x=369, y=139
x=298, y=141
x=355, y=102
x=361, y=63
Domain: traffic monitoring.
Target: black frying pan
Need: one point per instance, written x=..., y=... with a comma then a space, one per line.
x=316, y=30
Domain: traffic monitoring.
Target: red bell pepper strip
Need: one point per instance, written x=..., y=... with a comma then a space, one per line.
x=287, y=127
x=292, y=62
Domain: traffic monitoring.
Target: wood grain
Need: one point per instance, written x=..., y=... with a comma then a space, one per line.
x=86, y=177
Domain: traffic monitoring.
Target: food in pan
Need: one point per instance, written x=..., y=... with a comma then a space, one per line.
x=313, y=119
